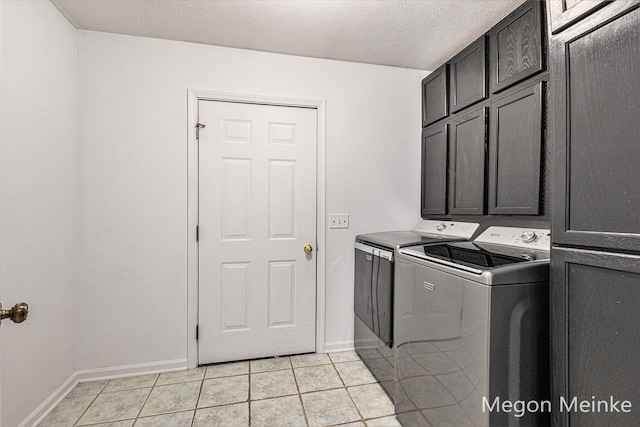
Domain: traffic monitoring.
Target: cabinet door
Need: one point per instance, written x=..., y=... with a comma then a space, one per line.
x=467, y=148
x=515, y=153
x=468, y=75
x=434, y=171
x=595, y=104
x=563, y=13
x=517, y=46
x=595, y=331
x=435, y=96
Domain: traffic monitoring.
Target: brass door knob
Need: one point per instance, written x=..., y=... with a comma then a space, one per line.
x=17, y=314
x=308, y=249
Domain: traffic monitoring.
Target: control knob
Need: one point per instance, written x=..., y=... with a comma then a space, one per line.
x=441, y=226
x=528, y=236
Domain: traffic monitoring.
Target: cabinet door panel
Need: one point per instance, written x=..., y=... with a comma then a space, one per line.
x=468, y=75
x=517, y=46
x=595, y=327
x=467, y=148
x=435, y=96
x=563, y=13
x=515, y=153
x=434, y=171
x=596, y=97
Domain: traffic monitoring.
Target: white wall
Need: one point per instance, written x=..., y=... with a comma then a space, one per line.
x=132, y=181
x=38, y=203
x=133, y=178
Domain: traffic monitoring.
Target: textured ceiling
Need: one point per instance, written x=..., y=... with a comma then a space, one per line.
x=420, y=34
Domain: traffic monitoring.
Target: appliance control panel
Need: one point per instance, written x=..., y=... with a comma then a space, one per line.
x=534, y=238
x=465, y=230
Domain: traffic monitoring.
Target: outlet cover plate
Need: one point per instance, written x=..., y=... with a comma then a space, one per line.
x=338, y=220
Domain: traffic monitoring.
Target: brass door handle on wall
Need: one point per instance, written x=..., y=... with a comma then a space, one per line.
x=308, y=249
x=17, y=314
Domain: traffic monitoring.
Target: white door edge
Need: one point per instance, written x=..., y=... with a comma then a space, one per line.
x=1, y=358
x=192, y=207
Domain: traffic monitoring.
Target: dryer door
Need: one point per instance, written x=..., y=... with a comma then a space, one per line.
x=373, y=297
x=363, y=297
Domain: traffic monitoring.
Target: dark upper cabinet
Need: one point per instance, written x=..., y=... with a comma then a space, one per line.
x=595, y=331
x=435, y=96
x=595, y=68
x=468, y=76
x=434, y=171
x=515, y=153
x=467, y=162
x=517, y=46
x=563, y=13
x=461, y=173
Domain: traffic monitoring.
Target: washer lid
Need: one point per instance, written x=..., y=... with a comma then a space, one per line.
x=470, y=257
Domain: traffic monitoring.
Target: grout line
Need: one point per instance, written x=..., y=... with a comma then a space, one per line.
x=170, y=412
x=193, y=420
x=276, y=397
x=347, y=390
x=85, y=410
x=101, y=423
x=147, y=398
x=249, y=393
x=304, y=410
x=108, y=422
x=92, y=402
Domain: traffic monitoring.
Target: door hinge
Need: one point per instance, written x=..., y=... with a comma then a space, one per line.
x=197, y=332
x=198, y=127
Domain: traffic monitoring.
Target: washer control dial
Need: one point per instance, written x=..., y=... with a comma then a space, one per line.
x=528, y=236
x=441, y=227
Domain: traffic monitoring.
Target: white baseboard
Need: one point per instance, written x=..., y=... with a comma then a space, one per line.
x=332, y=347
x=51, y=402
x=97, y=374
x=131, y=370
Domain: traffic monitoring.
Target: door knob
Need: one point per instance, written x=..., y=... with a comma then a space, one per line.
x=17, y=314
x=308, y=249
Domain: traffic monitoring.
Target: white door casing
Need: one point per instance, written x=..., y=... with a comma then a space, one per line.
x=257, y=211
x=1, y=362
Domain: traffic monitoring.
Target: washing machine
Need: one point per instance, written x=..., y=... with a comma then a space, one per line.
x=472, y=330
x=374, y=288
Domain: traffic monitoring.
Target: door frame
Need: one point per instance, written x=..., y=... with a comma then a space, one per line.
x=1, y=358
x=194, y=96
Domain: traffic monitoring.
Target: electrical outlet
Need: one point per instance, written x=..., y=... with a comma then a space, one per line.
x=338, y=220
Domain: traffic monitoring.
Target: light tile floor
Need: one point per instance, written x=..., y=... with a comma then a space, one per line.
x=298, y=391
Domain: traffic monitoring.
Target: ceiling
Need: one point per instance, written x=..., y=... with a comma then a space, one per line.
x=419, y=34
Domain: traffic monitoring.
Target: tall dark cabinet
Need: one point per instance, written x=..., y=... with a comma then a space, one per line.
x=595, y=323
x=595, y=261
x=596, y=103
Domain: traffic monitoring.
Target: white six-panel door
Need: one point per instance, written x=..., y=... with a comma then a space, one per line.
x=257, y=211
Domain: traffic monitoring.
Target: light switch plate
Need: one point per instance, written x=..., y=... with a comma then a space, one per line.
x=338, y=220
